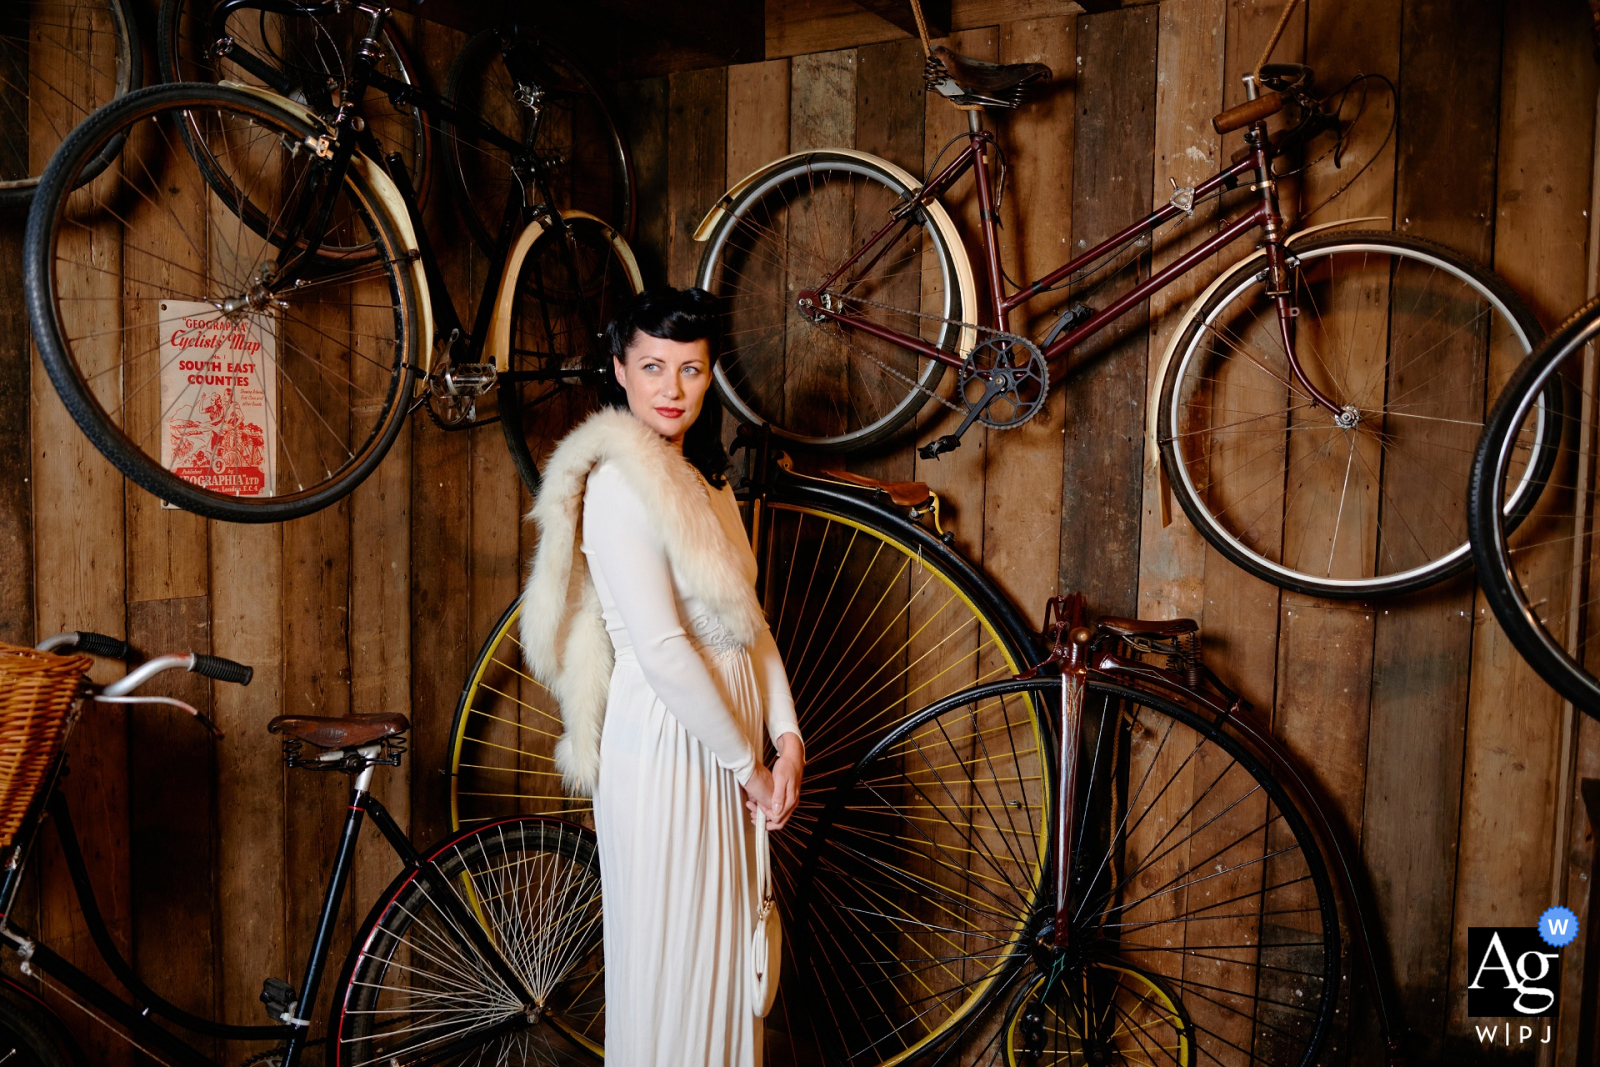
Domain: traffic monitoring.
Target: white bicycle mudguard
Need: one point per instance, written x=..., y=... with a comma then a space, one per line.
x=936, y=212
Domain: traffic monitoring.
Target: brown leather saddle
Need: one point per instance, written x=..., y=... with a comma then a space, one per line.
x=901, y=494
x=344, y=731
x=974, y=82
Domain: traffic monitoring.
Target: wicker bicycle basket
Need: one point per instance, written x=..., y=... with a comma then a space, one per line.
x=37, y=693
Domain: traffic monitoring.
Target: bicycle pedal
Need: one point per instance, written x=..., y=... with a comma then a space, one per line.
x=934, y=449
x=466, y=379
x=279, y=998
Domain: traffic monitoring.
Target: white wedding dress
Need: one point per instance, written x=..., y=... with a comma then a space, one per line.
x=683, y=730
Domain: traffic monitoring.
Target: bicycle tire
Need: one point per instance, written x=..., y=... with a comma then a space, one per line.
x=588, y=158
x=324, y=428
x=1154, y=1029
x=554, y=324
x=820, y=388
x=31, y=1034
x=93, y=76
x=1277, y=485
x=534, y=886
x=1526, y=572
x=928, y=881
x=182, y=32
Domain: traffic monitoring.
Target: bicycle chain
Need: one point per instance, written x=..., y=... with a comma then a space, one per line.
x=959, y=324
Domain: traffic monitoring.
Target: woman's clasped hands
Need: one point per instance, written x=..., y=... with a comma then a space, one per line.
x=776, y=790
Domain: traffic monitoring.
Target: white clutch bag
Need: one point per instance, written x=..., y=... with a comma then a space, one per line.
x=766, y=943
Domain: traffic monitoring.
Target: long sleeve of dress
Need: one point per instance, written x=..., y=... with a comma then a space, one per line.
x=774, y=681
x=619, y=541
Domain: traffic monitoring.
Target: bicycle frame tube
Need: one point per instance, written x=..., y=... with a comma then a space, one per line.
x=1264, y=215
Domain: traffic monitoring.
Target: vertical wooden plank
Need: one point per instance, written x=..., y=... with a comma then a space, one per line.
x=819, y=363
x=442, y=640
x=1540, y=234
x=1189, y=76
x=642, y=116
x=889, y=119
x=251, y=880
x=316, y=681
x=80, y=582
x=697, y=123
x=1444, y=190
x=959, y=476
x=758, y=116
x=16, y=481
x=172, y=814
x=1114, y=146
x=1022, y=527
x=380, y=637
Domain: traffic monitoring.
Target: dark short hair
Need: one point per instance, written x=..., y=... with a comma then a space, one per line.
x=684, y=315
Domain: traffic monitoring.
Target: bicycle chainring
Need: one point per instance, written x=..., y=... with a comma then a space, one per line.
x=270, y=1058
x=1007, y=379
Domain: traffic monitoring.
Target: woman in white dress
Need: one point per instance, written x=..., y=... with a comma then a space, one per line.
x=641, y=615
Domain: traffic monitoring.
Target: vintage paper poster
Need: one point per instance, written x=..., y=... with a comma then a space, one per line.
x=218, y=398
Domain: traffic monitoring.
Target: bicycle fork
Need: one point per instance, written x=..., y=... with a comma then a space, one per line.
x=1074, y=685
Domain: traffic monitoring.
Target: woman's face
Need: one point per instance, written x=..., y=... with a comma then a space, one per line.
x=666, y=382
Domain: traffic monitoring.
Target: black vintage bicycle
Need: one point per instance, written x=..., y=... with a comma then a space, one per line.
x=484, y=949
x=242, y=313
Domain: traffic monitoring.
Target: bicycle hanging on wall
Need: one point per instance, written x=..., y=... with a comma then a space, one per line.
x=273, y=284
x=1314, y=412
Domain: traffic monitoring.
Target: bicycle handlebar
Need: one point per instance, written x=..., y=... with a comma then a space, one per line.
x=223, y=670
x=87, y=641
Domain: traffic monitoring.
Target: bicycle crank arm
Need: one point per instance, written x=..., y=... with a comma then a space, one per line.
x=952, y=441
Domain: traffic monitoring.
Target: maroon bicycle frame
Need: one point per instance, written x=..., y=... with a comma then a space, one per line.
x=975, y=156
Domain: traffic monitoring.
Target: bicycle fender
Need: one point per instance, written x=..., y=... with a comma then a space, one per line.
x=392, y=203
x=1152, y=407
x=498, y=347
x=941, y=220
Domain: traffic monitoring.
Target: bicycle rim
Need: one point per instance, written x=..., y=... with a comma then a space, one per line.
x=306, y=51
x=59, y=61
x=203, y=376
x=1537, y=575
x=416, y=987
x=1190, y=866
x=564, y=294
x=1098, y=1012
x=1401, y=334
x=816, y=384
x=584, y=158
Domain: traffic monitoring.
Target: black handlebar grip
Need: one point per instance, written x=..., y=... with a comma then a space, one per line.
x=223, y=670
x=101, y=645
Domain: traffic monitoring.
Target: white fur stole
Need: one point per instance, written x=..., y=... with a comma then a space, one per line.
x=563, y=632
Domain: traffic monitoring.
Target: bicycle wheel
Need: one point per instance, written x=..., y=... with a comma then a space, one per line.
x=1406, y=336
x=309, y=56
x=530, y=88
x=30, y=1033
x=417, y=989
x=171, y=337
x=1537, y=576
x=1100, y=1012
x=928, y=878
x=59, y=61
x=819, y=386
x=873, y=614
x=570, y=285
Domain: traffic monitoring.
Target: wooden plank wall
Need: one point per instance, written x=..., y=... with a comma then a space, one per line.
x=1434, y=741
